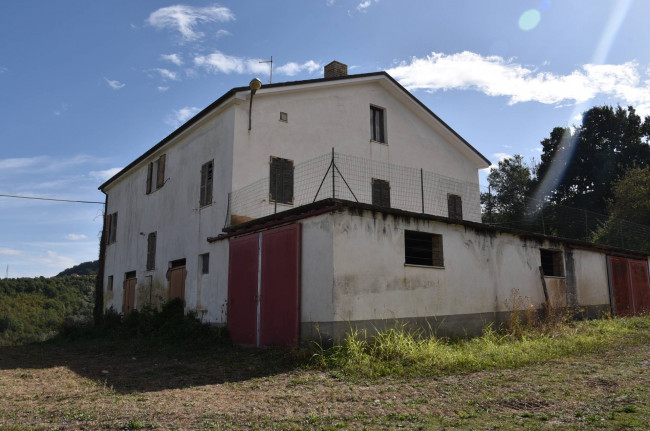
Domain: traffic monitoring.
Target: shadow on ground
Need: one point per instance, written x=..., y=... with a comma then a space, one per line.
x=134, y=370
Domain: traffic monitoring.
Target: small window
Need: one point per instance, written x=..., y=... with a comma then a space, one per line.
x=151, y=251
x=454, y=207
x=160, y=171
x=109, y=284
x=177, y=263
x=380, y=193
x=284, y=117
x=422, y=248
x=111, y=228
x=377, y=124
x=129, y=275
x=552, y=263
x=205, y=263
x=207, y=172
x=281, y=181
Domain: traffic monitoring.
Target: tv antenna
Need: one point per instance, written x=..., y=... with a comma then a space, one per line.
x=271, y=62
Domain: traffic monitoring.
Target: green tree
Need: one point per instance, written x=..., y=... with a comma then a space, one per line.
x=505, y=203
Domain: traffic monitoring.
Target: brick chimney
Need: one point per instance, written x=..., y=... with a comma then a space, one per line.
x=336, y=69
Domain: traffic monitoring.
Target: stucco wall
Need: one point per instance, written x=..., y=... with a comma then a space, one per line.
x=182, y=226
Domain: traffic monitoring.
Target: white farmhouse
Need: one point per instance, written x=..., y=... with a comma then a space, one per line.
x=305, y=207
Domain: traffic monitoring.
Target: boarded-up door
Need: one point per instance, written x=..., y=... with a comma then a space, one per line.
x=264, y=286
x=177, y=283
x=128, y=303
x=630, y=285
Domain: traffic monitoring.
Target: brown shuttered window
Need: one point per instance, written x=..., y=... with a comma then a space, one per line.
x=149, y=177
x=455, y=207
x=151, y=251
x=377, y=124
x=281, y=181
x=160, y=171
x=111, y=228
x=423, y=248
x=380, y=193
x=207, y=172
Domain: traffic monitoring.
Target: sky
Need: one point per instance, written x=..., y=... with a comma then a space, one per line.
x=88, y=86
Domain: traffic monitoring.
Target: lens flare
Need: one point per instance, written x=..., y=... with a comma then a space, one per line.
x=529, y=19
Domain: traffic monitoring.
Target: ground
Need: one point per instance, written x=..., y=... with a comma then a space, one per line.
x=55, y=386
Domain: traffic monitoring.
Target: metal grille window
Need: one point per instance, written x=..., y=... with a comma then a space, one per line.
x=377, y=124
x=552, y=263
x=381, y=193
x=423, y=248
x=281, y=181
x=454, y=207
x=207, y=171
x=151, y=251
x=111, y=228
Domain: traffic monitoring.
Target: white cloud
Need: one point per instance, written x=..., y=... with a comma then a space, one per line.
x=178, y=117
x=496, y=76
x=174, y=58
x=218, y=62
x=3, y=69
x=105, y=174
x=502, y=156
x=115, y=85
x=330, y=2
x=75, y=236
x=223, y=33
x=22, y=162
x=185, y=18
x=64, y=107
x=364, y=5
x=162, y=89
x=167, y=74
x=9, y=252
x=291, y=69
x=53, y=259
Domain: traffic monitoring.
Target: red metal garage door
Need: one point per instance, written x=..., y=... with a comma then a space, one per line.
x=242, y=289
x=280, y=300
x=630, y=285
x=271, y=316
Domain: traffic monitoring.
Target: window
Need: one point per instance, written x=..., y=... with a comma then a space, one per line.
x=281, y=181
x=207, y=171
x=159, y=167
x=129, y=275
x=377, y=124
x=151, y=251
x=380, y=193
x=111, y=228
x=284, y=117
x=422, y=248
x=454, y=207
x=109, y=284
x=552, y=263
x=205, y=263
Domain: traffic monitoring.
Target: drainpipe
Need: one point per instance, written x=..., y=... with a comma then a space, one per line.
x=98, y=311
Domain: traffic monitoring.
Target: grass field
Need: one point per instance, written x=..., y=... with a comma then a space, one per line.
x=95, y=384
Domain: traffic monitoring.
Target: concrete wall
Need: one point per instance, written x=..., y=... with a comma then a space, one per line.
x=482, y=271
x=182, y=226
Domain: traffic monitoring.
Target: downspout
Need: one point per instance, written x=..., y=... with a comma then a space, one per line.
x=98, y=311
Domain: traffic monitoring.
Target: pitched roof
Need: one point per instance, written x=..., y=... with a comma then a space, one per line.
x=230, y=93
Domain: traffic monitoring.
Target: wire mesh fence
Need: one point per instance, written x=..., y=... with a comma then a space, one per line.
x=549, y=218
x=346, y=177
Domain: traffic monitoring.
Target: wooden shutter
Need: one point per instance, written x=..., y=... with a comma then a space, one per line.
x=436, y=250
x=160, y=174
x=380, y=193
x=108, y=227
x=454, y=207
x=281, y=180
x=151, y=251
x=149, y=177
x=113, y=235
x=208, y=183
x=287, y=182
x=203, y=184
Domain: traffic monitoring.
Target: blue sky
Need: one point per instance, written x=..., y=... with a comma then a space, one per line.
x=87, y=86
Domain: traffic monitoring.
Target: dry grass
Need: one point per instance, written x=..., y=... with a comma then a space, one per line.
x=88, y=386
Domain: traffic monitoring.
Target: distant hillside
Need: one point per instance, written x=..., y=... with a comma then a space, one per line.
x=34, y=309
x=85, y=268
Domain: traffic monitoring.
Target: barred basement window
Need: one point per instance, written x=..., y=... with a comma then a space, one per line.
x=281, y=181
x=111, y=228
x=552, y=262
x=380, y=193
x=423, y=248
x=151, y=251
x=454, y=207
x=377, y=124
x=207, y=171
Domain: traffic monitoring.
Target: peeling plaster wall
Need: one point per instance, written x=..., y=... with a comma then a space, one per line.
x=182, y=226
x=481, y=269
